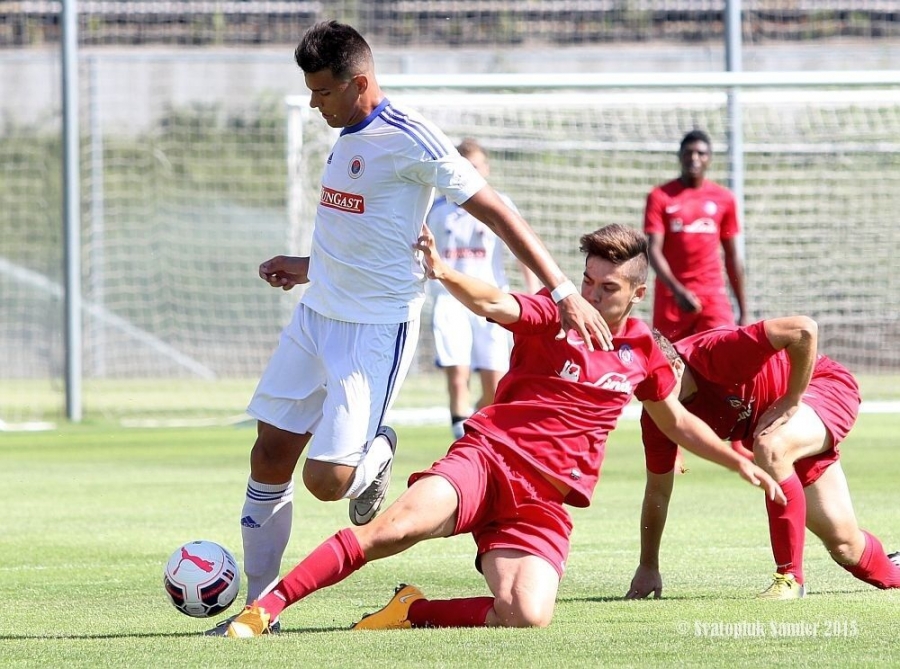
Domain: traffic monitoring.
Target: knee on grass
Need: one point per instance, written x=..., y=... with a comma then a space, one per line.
x=518, y=613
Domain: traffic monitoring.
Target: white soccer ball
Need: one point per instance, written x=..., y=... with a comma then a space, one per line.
x=202, y=579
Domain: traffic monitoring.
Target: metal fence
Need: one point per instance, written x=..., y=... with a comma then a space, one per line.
x=448, y=23
x=183, y=171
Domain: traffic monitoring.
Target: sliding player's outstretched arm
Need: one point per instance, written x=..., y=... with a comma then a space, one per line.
x=687, y=430
x=480, y=297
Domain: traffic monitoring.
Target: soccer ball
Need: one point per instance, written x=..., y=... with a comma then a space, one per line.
x=201, y=579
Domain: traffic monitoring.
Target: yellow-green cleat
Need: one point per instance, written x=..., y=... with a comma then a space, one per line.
x=252, y=621
x=221, y=628
x=395, y=614
x=784, y=587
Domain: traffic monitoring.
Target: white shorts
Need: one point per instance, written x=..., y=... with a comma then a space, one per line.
x=462, y=339
x=335, y=380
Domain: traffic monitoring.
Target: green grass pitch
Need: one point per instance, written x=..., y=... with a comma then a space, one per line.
x=91, y=513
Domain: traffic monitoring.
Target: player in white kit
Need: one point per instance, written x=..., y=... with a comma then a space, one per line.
x=340, y=362
x=463, y=341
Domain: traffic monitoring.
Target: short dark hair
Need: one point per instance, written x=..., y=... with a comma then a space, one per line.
x=694, y=136
x=619, y=245
x=329, y=45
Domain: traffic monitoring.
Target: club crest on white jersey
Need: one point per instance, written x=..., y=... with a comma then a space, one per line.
x=356, y=167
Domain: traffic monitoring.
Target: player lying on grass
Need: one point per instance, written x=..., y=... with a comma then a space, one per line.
x=537, y=447
x=767, y=385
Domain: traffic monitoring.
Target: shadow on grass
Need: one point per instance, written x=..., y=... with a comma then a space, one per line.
x=159, y=635
x=617, y=598
x=736, y=596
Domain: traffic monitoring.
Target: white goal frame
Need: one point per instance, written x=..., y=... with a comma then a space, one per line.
x=719, y=87
x=864, y=95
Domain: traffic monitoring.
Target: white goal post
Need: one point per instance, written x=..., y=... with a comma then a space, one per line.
x=820, y=161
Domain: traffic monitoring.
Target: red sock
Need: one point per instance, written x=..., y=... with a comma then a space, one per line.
x=469, y=612
x=787, y=528
x=874, y=567
x=332, y=562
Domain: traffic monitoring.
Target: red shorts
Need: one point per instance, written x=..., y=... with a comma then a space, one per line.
x=834, y=395
x=676, y=324
x=503, y=501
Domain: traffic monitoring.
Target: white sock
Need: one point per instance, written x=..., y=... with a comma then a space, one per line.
x=265, y=528
x=457, y=429
x=375, y=458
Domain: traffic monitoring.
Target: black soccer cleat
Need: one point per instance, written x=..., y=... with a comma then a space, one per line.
x=364, y=507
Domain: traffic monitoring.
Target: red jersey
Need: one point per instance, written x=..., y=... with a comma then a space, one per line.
x=694, y=221
x=739, y=375
x=559, y=401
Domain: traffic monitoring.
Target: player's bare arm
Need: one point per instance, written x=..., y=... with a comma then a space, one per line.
x=685, y=298
x=575, y=312
x=285, y=272
x=654, y=512
x=798, y=337
x=687, y=430
x=734, y=268
x=478, y=296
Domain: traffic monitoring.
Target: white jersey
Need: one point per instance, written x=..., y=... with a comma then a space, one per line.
x=466, y=244
x=376, y=190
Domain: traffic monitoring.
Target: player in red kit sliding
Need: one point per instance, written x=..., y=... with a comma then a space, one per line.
x=538, y=447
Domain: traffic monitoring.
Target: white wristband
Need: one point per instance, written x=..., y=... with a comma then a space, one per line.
x=562, y=291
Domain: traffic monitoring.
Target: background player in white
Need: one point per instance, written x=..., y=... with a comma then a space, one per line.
x=464, y=341
x=340, y=362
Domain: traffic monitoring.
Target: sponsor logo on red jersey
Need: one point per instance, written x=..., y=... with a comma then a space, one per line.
x=335, y=199
x=571, y=371
x=615, y=382
x=702, y=226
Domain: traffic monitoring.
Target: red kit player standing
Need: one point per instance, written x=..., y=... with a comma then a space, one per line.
x=687, y=220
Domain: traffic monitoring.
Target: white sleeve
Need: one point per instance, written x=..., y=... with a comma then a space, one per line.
x=454, y=176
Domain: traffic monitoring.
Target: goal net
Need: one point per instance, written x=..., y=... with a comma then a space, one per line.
x=821, y=187
x=184, y=195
